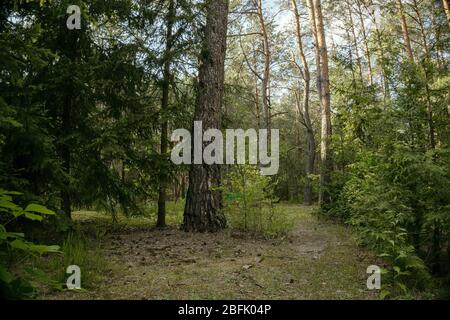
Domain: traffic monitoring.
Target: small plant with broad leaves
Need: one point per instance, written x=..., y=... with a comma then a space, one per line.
x=11, y=285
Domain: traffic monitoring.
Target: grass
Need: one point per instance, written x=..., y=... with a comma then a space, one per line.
x=49, y=272
x=174, y=216
x=317, y=260
x=131, y=259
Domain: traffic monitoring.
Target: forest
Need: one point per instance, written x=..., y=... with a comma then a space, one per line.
x=341, y=119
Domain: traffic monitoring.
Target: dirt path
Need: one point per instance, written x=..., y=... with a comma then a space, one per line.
x=319, y=260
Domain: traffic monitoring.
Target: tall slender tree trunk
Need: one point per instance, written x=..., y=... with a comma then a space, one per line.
x=312, y=18
x=447, y=10
x=349, y=39
x=436, y=247
x=203, y=211
x=366, y=43
x=306, y=74
x=380, y=53
x=163, y=175
x=257, y=98
x=355, y=42
x=405, y=31
x=66, y=201
x=266, y=75
x=438, y=41
x=325, y=98
x=432, y=133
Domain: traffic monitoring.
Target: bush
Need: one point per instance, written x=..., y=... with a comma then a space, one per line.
x=13, y=244
x=398, y=205
x=249, y=203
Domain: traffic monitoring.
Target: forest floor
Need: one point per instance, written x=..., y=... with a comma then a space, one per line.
x=317, y=260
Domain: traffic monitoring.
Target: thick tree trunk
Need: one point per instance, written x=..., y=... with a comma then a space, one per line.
x=162, y=196
x=203, y=211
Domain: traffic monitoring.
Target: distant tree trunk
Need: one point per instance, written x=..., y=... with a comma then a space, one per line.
x=266, y=74
x=312, y=18
x=325, y=98
x=381, y=53
x=257, y=101
x=405, y=30
x=162, y=196
x=349, y=38
x=183, y=187
x=311, y=142
x=366, y=43
x=447, y=10
x=436, y=247
x=66, y=201
x=355, y=42
x=438, y=41
x=203, y=211
x=432, y=133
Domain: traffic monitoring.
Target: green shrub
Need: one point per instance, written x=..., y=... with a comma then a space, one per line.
x=249, y=203
x=398, y=205
x=13, y=244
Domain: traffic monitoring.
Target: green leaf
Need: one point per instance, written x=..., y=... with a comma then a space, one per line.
x=33, y=216
x=5, y=235
x=5, y=276
x=45, y=278
x=44, y=249
x=19, y=244
x=402, y=287
x=12, y=193
x=8, y=205
x=384, y=294
x=39, y=209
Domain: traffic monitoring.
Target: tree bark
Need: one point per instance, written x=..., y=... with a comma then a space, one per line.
x=266, y=75
x=312, y=18
x=355, y=41
x=432, y=133
x=203, y=211
x=380, y=52
x=163, y=176
x=366, y=43
x=325, y=98
x=436, y=247
x=447, y=10
x=311, y=142
x=405, y=31
x=66, y=201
